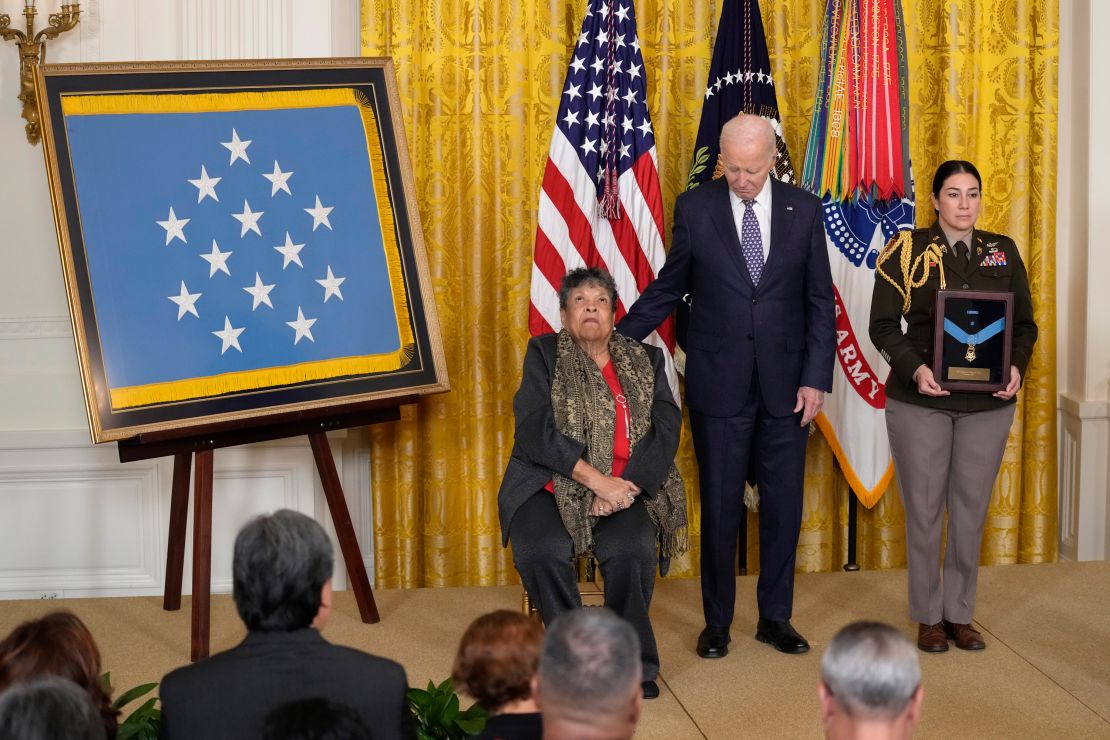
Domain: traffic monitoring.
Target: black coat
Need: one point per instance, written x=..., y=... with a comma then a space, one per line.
x=539, y=449
x=230, y=694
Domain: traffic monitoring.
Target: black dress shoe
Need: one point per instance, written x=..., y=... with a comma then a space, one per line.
x=651, y=689
x=781, y=635
x=713, y=642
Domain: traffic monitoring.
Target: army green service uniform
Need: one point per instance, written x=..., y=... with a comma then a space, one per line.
x=947, y=451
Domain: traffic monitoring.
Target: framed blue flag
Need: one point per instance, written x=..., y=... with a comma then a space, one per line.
x=239, y=240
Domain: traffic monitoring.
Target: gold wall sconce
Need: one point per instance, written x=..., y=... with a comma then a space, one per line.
x=32, y=51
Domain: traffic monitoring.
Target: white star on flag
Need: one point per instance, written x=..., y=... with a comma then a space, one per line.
x=302, y=326
x=206, y=186
x=217, y=260
x=319, y=214
x=260, y=292
x=175, y=227
x=230, y=336
x=290, y=251
x=331, y=285
x=248, y=218
x=278, y=180
x=237, y=147
x=186, y=302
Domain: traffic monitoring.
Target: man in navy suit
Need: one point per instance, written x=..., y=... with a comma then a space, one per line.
x=750, y=250
x=282, y=587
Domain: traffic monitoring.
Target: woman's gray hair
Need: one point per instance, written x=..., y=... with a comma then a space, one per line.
x=49, y=709
x=595, y=276
x=590, y=661
x=871, y=669
x=282, y=562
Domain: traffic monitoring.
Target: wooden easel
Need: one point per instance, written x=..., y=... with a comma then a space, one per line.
x=200, y=443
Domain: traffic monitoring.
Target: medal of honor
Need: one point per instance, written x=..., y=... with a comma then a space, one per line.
x=973, y=339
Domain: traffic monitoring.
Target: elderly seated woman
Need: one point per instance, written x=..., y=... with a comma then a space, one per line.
x=592, y=467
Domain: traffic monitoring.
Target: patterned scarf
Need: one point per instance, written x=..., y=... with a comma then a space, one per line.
x=586, y=411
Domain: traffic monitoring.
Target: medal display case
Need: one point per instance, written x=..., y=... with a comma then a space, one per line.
x=972, y=338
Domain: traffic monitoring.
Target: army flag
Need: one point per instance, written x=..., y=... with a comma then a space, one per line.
x=857, y=160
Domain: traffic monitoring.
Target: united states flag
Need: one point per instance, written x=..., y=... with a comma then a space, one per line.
x=600, y=202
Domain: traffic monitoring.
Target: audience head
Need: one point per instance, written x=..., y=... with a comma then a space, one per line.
x=58, y=644
x=282, y=573
x=870, y=677
x=314, y=719
x=51, y=708
x=497, y=658
x=588, y=683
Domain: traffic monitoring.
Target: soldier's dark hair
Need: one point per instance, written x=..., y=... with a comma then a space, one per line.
x=954, y=167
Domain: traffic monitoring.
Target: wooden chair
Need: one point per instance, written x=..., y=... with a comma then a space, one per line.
x=592, y=592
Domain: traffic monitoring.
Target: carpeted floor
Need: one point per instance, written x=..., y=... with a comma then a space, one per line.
x=1045, y=672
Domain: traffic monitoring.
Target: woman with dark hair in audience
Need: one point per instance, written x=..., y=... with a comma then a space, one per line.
x=315, y=719
x=58, y=644
x=497, y=659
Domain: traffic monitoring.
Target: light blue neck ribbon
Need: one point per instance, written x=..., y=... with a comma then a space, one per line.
x=973, y=339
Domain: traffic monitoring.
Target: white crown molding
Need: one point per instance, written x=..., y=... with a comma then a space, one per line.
x=35, y=327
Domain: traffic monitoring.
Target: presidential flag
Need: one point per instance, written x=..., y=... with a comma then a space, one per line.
x=857, y=160
x=244, y=241
x=600, y=201
x=739, y=81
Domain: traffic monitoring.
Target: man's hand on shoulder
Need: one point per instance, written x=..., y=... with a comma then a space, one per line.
x=810, y=401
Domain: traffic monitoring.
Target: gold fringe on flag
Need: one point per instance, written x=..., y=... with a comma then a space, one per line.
x=216, y=385
x=138, y=103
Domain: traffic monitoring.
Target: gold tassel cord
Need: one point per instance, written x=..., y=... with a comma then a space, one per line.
x=903, y=244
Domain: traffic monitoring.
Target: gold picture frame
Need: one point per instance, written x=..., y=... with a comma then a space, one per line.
x=168, y=276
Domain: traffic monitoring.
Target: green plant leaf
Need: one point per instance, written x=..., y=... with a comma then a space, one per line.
x=132, y=694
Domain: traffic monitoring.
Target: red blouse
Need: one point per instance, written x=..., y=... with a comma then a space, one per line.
x=622, y=442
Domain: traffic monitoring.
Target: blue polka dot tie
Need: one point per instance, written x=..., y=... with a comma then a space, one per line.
x=751, y=241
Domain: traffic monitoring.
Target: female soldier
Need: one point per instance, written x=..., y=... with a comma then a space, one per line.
x=947, y=446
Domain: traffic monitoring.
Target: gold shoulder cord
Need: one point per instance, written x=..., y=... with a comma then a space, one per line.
x=903, y=243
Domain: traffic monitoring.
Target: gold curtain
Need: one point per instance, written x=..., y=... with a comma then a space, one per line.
x=480, y=86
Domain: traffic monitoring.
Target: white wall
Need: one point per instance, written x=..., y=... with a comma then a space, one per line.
x=73, y=519
x=1083, y=264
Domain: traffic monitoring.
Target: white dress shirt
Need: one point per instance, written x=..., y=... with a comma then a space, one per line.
x=762, y=208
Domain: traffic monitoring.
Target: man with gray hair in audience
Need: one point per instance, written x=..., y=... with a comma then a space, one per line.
x=282, y=587
x=49, y=708
x=588, y=683
x=870, y=684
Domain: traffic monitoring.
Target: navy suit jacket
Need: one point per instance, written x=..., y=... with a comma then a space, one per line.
x=784, y=328
x=229, y=694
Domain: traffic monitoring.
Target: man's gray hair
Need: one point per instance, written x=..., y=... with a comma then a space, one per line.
x=49, y=709
x=748, y=127
x=590, y=661
x=282, y=562
x=870, y=668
